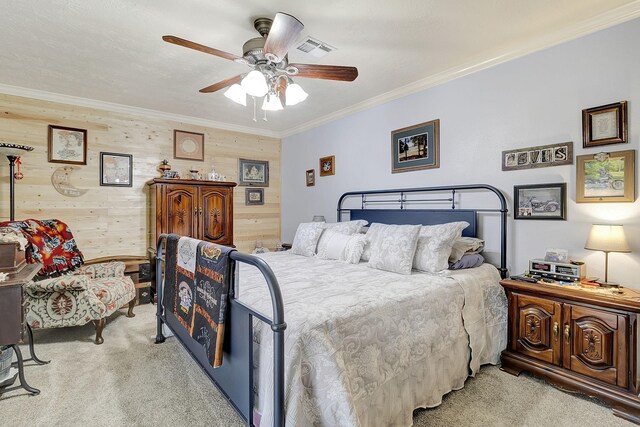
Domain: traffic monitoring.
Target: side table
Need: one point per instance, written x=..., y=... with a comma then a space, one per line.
x=12, y=324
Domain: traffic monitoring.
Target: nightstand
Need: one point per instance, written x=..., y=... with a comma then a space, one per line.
x=578, y=339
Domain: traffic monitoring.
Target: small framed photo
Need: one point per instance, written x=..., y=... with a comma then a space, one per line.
x=416, y=147
x=254, y=196
x=604, y=125
x=311, y=177
x=327, y=166
x=188, y=145
x=67, y=145
x=116, y=170
x=540, y=201
x=606, y=177
x=253, y=172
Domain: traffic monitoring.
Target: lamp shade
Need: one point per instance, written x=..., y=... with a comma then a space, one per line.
x=255, y=84
x=272, y=103
x=295, y=94
x=607, y=238
x=237, y=94
x=14, y=149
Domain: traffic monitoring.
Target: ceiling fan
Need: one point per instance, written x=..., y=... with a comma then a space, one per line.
x=272, y=72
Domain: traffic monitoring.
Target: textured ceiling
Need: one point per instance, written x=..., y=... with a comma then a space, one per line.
x=111, y=50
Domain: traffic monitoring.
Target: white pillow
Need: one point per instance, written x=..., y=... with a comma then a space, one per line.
x=306, y=238
x=372, y=235
x=394, y=247
x=465, y=245
x=341, y=246
x=435, y=244
x=348, y=228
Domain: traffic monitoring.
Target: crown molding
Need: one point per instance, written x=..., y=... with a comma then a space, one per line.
x=608, y=19
x=126, y=109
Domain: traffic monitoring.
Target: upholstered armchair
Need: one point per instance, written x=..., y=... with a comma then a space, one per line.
x=66, y=292
x=89, y=294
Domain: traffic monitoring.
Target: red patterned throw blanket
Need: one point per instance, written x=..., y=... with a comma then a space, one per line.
x=51, y=244
x=197, y=280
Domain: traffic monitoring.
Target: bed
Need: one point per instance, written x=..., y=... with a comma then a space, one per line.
x=360, y=346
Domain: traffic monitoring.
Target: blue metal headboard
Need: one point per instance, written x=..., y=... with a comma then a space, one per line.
x=406, y=197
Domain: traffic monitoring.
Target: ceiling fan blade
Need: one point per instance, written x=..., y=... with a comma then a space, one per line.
x=221, y=85
x=202, y=48
x=283, y=33
x=326, y=72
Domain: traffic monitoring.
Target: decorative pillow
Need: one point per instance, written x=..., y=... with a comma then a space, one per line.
x=467, y=261
x=347, y=228
x=306, y=238
x=465, y=245
x=394, y=247
x=435, y=244
x=372, y=234
x=341, y=246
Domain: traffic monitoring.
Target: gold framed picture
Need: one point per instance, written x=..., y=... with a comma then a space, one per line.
x=327, y=165
x=311, y=177
x=604, y=125
x=606, y=177
x=188, y=145
x=416, y=147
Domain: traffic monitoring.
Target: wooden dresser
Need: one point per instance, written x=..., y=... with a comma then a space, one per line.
x=199, y=209
x=576, y=339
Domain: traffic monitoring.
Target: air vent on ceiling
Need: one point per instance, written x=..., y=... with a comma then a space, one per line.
x=315, y=47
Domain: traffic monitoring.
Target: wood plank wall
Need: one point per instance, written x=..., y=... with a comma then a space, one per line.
x=114, y=221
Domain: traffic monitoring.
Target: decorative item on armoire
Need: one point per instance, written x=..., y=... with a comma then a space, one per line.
x=13, y=153
x=164, y=166
x=67, y=145
x=606, y=177
x=540, y=156
x=607, y=238
x=416, y=147
x=327, y=165
x=604, y=125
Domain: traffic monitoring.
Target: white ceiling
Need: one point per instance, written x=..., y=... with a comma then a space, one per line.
x=112, y=51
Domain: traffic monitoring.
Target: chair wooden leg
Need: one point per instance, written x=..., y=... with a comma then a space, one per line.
x=132, y=304
x=99, y=327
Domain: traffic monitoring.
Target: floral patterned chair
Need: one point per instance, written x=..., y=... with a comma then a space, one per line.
x=83, y=294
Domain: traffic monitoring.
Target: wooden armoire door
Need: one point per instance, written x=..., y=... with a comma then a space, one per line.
x=595, y=344
x=180, y=210
x=536, y=328
x=216, y=215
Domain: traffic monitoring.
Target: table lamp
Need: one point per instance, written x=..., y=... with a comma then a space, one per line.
x=318, y=218
x=13, y=153
x=607, y=238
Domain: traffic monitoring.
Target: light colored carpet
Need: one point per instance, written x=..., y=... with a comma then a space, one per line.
x=119, y=383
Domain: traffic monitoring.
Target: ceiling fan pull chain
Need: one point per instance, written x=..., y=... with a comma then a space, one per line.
x=254, y=109
x=265, y=116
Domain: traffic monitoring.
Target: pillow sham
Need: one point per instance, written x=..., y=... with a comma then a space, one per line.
x=394, y=247
x=465, y=245
x=347, y=228
x=372, y=235
x=306, y=238
x=467, y=261
x=434, y=246
x=342, y=247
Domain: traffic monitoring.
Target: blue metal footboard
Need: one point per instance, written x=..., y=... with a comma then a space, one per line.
x=234, y=378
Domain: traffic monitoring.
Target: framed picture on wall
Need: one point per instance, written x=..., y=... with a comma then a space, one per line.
x=188, y=145
x=254, y=196
x=606, y=177
x=327, y=165
x=311, y=177
x=253, y=172
x=416, y=147
x=540, y=201
x=116, y=170
x=540, y=156
x=67, y=145
x=604, y=125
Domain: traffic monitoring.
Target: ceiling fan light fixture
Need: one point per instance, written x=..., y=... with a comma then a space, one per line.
x=272, y=103
x=255, y=84
x=237, y=94
x=295, y=94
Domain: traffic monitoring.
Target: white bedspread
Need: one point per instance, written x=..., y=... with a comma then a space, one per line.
x=366, y=347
